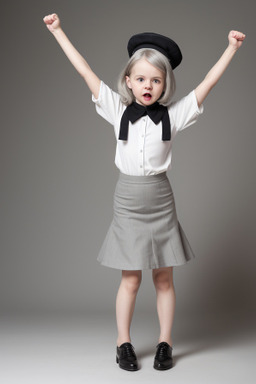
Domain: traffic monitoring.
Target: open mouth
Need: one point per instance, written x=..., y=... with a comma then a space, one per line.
x=147, y=96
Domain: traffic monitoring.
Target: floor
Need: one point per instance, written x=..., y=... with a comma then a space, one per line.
x=76, y=349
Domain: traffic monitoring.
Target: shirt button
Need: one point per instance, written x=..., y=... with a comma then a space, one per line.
x=142, y=135
x=141, y=151
x=141, y=166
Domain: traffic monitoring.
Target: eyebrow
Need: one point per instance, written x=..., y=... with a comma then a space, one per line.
x=154, y=77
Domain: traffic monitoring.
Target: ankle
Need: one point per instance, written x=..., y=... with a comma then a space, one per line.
x=121, y=341
x=165, y=340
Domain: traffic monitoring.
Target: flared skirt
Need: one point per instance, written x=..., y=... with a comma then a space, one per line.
x=145, y=232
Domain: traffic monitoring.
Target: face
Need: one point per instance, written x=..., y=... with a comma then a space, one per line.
x=146, y=82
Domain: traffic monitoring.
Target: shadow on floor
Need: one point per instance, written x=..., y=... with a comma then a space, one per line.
x=193, y=335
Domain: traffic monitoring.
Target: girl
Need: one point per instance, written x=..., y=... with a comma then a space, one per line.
x=145, y=232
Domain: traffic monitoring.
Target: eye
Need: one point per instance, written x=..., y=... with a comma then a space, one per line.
x=140, y=79
x=156, y=81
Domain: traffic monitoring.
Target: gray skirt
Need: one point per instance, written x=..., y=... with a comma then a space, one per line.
x=145, y=232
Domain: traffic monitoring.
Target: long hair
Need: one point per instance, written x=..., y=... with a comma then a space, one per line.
x=159, y=61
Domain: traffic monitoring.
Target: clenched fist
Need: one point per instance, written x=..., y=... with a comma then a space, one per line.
x=52, y=22
x=236, y=39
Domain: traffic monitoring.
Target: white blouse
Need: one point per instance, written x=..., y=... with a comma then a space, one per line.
x=144, y=153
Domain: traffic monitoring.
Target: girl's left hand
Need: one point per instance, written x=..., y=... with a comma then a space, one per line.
x=236, y=39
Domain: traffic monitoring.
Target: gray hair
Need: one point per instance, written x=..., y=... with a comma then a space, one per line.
x=155, y=58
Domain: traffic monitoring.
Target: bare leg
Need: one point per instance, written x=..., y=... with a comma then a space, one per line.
x=163, y=281
x=125, y=303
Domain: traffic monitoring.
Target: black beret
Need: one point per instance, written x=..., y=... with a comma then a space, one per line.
x=155, y=41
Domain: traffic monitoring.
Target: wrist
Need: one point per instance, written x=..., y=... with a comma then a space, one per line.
x=57, y=31
x=231, y=50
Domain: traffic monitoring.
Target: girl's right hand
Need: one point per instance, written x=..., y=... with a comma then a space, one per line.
x=52, y=22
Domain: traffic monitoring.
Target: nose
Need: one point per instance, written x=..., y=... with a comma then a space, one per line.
x=148, y=85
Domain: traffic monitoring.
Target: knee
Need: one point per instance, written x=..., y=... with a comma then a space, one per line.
x=131, y=282
x=163, y=281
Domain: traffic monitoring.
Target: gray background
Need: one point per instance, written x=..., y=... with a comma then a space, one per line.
x=57, y=156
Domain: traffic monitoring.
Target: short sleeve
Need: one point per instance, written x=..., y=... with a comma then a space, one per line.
x=185, y=112
x=108, y=104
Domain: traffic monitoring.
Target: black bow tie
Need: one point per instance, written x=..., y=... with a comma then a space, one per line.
x=156, y=112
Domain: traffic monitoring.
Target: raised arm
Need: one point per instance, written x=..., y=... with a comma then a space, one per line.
x=53, y=24
x=235, y=41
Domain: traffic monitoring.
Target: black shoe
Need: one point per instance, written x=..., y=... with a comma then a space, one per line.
x=163, y=357
x=126, y=357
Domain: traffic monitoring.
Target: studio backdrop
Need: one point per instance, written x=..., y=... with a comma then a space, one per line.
x=57, y=155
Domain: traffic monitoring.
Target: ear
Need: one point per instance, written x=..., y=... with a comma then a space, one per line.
x=128, y=82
